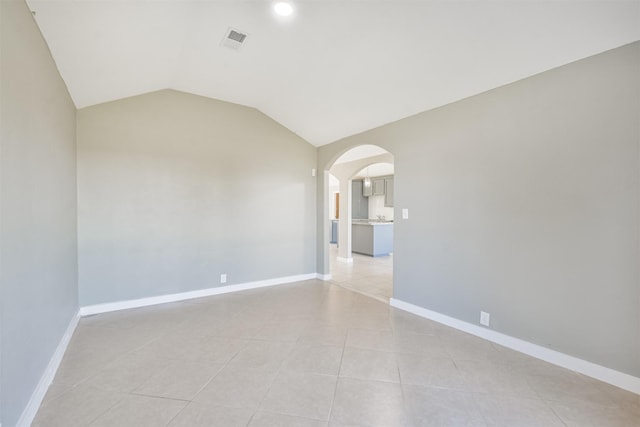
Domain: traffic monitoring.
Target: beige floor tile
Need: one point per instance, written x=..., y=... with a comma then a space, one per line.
x=371, y=403
x=267, y=355
x=127, y=372
x=365, y=305
x=93, y=337
x=429, y=406
x=623, y=398
x=334, y=316
x=439, y=372
x=501, y=411
x=77, y=407
x=370, y=340
x=180, y=346
x=494, y=378
x=528, y=365
x=301, y=394
x=408, y=323
x=426, y=345
x=140, y=411
x=324, y=334
x=237, y=386
x=366, y=275
x=54, y=391
x=281, y=331
x=179, y=380
x=122, y=319
x=462, y=346
x=240, y=326
x=516, y=358
x=75, y=368
x=200, y=415
x=167, y=346
x=315, y=359
x=369, y=321
x=369, y=365
x=110, y=341
x=214, y=349
x=588, y=414
x=210, y=318
x=266, y=419
x=569, y=389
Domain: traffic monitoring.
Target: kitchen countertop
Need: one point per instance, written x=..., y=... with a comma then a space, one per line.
x=370, y=222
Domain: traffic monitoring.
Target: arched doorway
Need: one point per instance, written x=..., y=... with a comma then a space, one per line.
x=360, y=210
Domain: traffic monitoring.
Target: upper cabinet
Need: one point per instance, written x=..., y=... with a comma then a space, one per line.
x=378, y=186
x=388, y=192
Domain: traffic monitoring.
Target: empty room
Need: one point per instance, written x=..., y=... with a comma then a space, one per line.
x=319, y=213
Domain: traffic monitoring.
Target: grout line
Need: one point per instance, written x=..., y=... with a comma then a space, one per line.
x=555, y=413
x=275, y=376
x=176, y=415
x=335, y=390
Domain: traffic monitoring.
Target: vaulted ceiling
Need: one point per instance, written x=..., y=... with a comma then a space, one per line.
x=335, y=67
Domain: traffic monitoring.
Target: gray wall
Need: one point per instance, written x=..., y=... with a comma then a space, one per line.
x=175, y=189
x=524, y=202
x=38, y=274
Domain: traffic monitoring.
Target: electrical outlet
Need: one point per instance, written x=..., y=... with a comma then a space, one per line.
x=223, y=278
x=313, y=172
x=485, y=318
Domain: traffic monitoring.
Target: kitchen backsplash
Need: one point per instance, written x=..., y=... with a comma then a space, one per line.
x=376, y=207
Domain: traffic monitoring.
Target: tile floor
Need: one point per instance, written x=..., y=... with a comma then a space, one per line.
x=309, y=354
x=367, y=275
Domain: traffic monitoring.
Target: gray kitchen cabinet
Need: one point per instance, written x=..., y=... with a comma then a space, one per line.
x=388, y=192
x=373, y=239
x=359, y=203
x=378, y=186
x=334, y=231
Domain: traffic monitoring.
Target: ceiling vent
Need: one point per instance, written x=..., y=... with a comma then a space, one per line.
x=234, y=39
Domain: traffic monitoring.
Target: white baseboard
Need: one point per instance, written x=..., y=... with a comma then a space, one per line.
x=319, y=277
x=162, y=299
x=38, y=394
x=608, y=375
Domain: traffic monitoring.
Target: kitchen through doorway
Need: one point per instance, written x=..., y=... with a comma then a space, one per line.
x=361, y=188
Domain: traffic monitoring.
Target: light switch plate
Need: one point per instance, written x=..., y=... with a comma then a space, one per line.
x=405, y=213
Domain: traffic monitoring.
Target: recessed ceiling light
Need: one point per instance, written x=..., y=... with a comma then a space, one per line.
x=283, y=8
